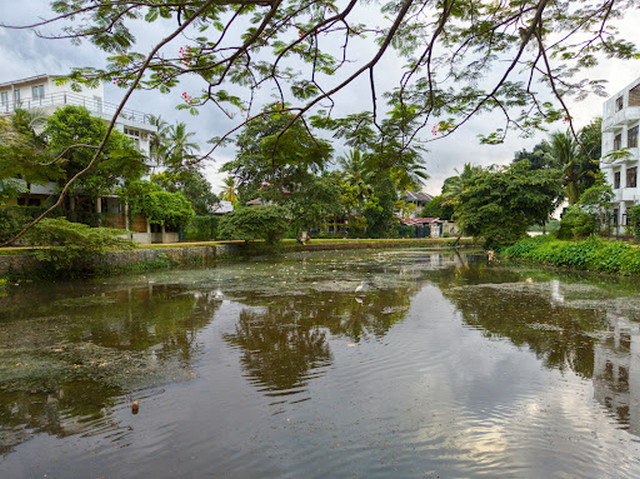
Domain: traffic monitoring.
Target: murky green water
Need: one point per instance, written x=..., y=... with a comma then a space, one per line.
x=349, y=364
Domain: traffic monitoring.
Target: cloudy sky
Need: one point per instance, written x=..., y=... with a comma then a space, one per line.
x=22, y=54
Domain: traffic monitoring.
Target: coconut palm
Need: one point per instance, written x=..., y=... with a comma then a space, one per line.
x=578, y=169
x=179, y=148
x=229, y=192
x=158, y=139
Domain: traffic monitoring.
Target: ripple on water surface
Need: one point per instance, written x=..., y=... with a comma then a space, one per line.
x=383, y=364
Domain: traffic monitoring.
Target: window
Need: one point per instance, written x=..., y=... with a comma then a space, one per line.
x=631, y=177
x=619, y=103
x=132, y=132
x=615, y=216
x=4, y=98
x=632, y=137
x=617, y=141
x=616, y=180
x=37, y=92
x=16, y=95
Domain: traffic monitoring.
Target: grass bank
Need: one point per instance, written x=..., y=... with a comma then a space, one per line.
x=612, y=257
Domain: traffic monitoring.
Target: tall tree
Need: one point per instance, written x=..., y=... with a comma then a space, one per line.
x=229, y=192
x=576, y=161
x=497, y=205
x=192, y=184
x=119, y=161
x=179, y=149
x=273, y=160
x=459, y=58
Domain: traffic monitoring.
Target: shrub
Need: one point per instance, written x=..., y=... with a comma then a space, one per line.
x=633, y=217
x=74, y=245
x=592, y=254
x=577, y=223
x=202, y=228
x=267, y=222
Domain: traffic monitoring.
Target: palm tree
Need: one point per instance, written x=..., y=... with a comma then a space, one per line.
x=229, y=192
x=577, y=170
x=158, y=139
x=454, y=185
x=179, y=146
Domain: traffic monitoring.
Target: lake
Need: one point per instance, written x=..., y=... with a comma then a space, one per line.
x=398, y=363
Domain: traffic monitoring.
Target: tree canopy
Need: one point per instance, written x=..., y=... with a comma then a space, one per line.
x=497, y=205
x=523, y=59
x=458, y=59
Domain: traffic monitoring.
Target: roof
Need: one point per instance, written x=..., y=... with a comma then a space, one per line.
x=417, y=196
x=420, y=221
x=32, y=79
x=223, y=207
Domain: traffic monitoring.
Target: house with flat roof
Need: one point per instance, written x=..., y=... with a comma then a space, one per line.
x=619, y=161
x=45, y=94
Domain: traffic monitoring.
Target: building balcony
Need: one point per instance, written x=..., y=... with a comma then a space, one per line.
x=626, y=194
x=632, y=157
x=95, y=105
x=625, y=116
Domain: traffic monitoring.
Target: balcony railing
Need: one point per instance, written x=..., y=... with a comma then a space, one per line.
x=94, y=105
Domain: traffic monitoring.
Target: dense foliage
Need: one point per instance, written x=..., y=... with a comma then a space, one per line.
x=577, y=223
x=633, y=217
x=202, y=228
x=171, y=210
x=266, y=222
x=498, y=205
x=592, y=254
x=74, y=245
x=119, y=161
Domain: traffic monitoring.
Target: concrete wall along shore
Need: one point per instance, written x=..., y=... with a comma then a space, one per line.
x=27, y=265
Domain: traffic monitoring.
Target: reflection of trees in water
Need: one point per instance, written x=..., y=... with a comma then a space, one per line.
x=277, y=351
x=558, y=335
x=562, y=336
x=65, y=367
x=285, y=337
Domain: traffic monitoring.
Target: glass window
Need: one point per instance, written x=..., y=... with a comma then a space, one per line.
x=616, y=180
x=16, y=95
x=619, y=103
x=632, y=137
x=617, y=141
x=37, y=92
x=631, y=177
x=4, y=98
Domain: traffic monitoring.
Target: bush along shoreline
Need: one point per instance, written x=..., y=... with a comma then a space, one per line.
x=592, y=254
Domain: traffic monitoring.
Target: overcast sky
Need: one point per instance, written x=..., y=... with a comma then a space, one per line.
x=22, y=54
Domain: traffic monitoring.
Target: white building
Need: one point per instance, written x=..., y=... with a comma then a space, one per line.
x=42, y=93
x=620, y=121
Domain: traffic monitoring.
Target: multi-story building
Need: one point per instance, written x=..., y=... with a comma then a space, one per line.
x=619, y=162
x=44, y=94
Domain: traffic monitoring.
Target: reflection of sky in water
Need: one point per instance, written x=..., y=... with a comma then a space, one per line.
x=434, y=367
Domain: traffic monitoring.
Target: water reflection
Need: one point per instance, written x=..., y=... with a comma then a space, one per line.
x=616, y=376
x=550, y=318
x=66, y=363
x=405, y=330
x=285, y=339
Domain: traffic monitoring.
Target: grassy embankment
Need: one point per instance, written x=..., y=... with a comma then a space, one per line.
x=612, y=257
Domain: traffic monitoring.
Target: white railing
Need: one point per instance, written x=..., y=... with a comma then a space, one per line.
x=94, y=105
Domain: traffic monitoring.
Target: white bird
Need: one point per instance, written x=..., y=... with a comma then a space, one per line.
x=360, y=287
